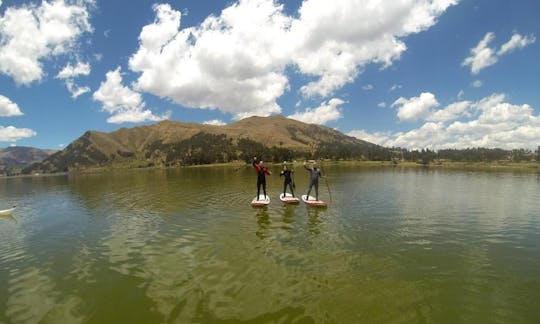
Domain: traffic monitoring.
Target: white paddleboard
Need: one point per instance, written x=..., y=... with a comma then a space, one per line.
x=289, y=199
x=313, y=202
x=261, y=202
x=7, y=211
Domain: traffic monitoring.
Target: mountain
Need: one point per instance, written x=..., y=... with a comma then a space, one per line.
x=170, y=143
x=12, y=159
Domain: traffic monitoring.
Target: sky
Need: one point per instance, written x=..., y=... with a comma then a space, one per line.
x=415, y=74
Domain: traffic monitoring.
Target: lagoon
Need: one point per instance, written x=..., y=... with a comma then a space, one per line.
x=184, y=245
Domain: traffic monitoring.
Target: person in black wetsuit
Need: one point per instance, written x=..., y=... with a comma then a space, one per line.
x=315, y=174
x=262, y=171
x=288, y=180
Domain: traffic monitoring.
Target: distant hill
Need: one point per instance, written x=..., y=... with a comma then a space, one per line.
x=12, y=159
x=170, y=143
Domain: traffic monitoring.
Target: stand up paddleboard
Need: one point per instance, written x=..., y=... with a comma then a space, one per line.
x=289, y=199
x=261, y=202
x=7, y=211
x=311, y=201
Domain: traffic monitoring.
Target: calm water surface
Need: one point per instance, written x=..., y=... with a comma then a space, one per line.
x=184, y=245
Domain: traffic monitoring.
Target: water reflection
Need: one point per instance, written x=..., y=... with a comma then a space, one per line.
x=263, y=220
x=314, y=222
x=185, y=246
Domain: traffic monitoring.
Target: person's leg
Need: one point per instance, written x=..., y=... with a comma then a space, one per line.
x=258, y=188
x=291, y=187
x=309, y=191
x=285, y=189
x=316, y=190
x=264, y=189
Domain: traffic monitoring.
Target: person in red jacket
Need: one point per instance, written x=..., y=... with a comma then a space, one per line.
x=262, y=171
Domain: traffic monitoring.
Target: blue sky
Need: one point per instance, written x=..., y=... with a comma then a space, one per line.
x=415, y=74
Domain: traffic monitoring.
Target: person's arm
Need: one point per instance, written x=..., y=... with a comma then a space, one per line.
x=267, y=171
x=254, y=164
x=305, y=167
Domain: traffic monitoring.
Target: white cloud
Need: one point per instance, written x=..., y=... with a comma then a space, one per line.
x=236, y=61
x=8, y=108
x=326, y=112
x=122, y=103
x=368, y=87
x=381, y=104
x=490, y=122
x=379, y=138
x=13, y=134
x=69, y=73
x=516, y=42
x=76, y=90
x=415, y=108
x=233, y=62
x=460, y=94
x=395, y=87
x=215, y=122
x=451, y=112
x=483, y=56
x=31, y=33
x=333, y=42
x=477, y=84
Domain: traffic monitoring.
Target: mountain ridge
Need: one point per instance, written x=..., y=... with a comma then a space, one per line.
x=169, y=143
x=14, y=158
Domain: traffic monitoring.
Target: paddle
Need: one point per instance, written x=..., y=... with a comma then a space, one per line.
x=326, y=181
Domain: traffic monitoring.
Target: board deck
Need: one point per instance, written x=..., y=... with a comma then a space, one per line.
x=261, y=202
x=289, y=199
x=313, y=202
x=7, y=211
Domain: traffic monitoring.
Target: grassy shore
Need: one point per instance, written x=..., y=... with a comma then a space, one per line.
x=503, y=166
x=479, y=166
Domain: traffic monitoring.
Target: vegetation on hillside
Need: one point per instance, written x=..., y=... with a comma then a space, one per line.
x=273, y=139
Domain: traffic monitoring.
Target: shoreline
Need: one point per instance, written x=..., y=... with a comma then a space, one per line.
x=500, y=166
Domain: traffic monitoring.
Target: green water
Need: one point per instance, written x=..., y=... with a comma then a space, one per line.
x=185, y=246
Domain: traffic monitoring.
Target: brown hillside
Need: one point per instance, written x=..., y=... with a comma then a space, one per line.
x=172, y=142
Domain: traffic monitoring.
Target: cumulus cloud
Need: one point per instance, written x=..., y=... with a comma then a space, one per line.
x=8, y=108
x=326, y=112
x=76, y=90
x=69, y=73
x=483, y=56
x=122, y=103
x=232, y=62
x=376, y=138
x=13, y=134
x=335, y=41
x=516, y=42
x=31, y=33
x=236, y=62
x=451, y=112
x=490, y=122
x=415, y=108
x=215, y=122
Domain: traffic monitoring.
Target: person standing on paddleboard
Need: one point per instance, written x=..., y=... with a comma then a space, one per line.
x=315, y=174
x=288, y=180
x=262, y=171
